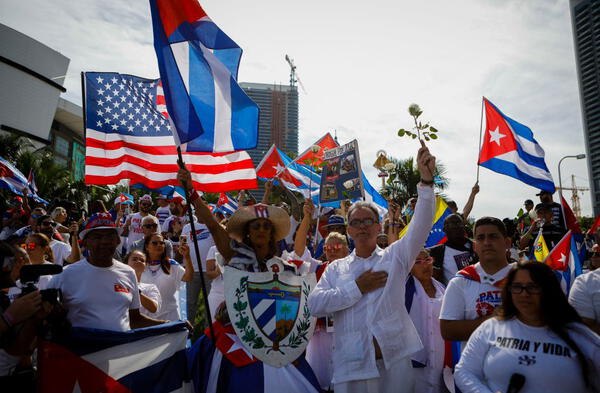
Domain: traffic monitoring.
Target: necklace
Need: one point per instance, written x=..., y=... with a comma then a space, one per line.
x=153, y=266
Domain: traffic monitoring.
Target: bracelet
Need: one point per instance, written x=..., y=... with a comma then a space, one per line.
x=427, y=182
x=194, y=196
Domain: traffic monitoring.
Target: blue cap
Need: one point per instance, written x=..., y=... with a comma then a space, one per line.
x=335, y=220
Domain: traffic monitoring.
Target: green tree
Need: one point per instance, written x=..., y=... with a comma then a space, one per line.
x=285, y=309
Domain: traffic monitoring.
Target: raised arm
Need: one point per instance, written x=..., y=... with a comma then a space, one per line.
x=184, y=249
x=395, y=222
x=469, y=205
x=267, y=194
x=303, y=228
x=219, y=234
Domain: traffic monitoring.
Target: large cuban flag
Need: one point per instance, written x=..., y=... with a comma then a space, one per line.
x=564, y=260
x=149, y=360
x=198, y=66
x=509, y=148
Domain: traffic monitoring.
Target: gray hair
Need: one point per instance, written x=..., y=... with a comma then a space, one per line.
x=58, y=210
x=363, y=205
x=150, y=217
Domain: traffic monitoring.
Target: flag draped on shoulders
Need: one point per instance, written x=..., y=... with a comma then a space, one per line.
x=198, y=66
x=129, y=137
x=437, y=234
x=509, y=148
x=138, y=361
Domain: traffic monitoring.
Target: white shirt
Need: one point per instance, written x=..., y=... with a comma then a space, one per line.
x=585, y=295
x=205, y=242
x=98, y=297
x=60, y=250
x=183, y=219
x=151, y=291
x=135, y=228
x=497, y=349
x=469, y=299
x=378, y=314
x=453, y=259
x=168, y=286
x=162, y=213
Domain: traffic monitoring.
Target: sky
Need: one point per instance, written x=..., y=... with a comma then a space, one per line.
x=362, y=64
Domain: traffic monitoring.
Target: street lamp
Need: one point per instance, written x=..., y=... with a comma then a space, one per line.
x=579, y=157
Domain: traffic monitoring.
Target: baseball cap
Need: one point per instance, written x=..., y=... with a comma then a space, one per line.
x=100, y=220
x=335, y=220
x=543, y=192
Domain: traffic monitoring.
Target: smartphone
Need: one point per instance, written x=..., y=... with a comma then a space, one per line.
x=183, y=239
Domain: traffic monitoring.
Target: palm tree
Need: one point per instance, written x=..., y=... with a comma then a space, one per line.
x=402, y=182
x=285, y=309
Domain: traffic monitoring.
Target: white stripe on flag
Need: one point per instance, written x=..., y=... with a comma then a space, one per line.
x=533, y=171
x=528, y=146
x=138, y=140
x=122, y=360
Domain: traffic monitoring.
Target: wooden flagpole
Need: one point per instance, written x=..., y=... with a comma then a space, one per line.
x=196, y=248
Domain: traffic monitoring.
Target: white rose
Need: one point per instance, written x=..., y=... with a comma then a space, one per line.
x=389, y=166
x=348, y=184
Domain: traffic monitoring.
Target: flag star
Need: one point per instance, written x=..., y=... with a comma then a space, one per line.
x=116, y=116
x=137, y=122
x=130, y=104
x=100, y=102
x=123, y=110
x=279, y=167
x=563, y=258
x=128, y=92
x=130, y=128
x=107, y=109
x=157, y=127
x=100, y=113
x=145, y=128
x=114, y=80
x=137, y=110
x=99, y=123
x=151, y=95
x=121, y=86
x=123, y=98
x=237, y=344
x=99, y=79
x=140, y=84
x=108, y=98
x=130, y=116
x=144, y=116
x=151, y=122
x=116, y=104
x=496, y=135
x=123, y=122
x=163, y=121
x=115, y=127
x=107, y=86
x=100, y=91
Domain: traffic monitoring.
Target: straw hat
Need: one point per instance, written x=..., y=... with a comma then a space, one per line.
x=278, y=217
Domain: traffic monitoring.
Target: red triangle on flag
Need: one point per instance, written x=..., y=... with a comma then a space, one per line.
x=558, y=259
x=326, y=142
x=222, y=199
x=570, y=218
x=498, y=136
x=272, y=165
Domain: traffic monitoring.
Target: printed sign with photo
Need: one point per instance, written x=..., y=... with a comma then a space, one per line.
x=341, y=179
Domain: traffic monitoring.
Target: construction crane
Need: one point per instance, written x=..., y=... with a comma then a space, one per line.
x=574, y=196
x=293, y=75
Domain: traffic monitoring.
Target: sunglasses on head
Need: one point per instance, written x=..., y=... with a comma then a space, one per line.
x=29, y=246
x=256, y=225
x=332, y=247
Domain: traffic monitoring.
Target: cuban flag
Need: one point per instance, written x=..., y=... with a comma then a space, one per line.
x=509, y=148
x=294, y=176
x=31, y=181
x=198, y=66
x=227, y=204
x=92, y=360
x=224, y=365
x=13, y=180
x=564, y=260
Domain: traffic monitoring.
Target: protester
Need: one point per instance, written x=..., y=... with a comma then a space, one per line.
x=526, y=219
x=473, y=295
x=133, y=225
x=178, y=213
x=556, y=209
x=26, y=230
x=423, y=302
x=167, y=274
x=335, y=223
x=150, y=226
x=454, y=255
x=163, y=211
x=535, y=334
x=551, y=232
x=584, y=295
x=150, y=300
x=374, y=336
x=100, y=292
x=62, y=252
x=16, y=217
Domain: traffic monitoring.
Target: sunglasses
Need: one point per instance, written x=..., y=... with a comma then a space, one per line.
x=150, y=225
x=366, y=222
x=49, y=223
x=334, y=228
x=29, y=246
x=157, y=243
x=333, y=247
x=530, y=289
x=256, y=225
x=424, y=260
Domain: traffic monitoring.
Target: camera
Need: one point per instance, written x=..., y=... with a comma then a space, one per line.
x=30, y=275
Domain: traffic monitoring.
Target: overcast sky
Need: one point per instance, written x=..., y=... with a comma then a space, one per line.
x=363, y=64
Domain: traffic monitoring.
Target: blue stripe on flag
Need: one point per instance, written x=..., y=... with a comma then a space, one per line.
x=244, y=113
x=531, y=159
x=164, y=376
x=510, y=169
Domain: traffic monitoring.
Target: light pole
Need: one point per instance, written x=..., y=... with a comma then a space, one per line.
x=579, y=157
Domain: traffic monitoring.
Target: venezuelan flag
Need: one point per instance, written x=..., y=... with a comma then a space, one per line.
x=540, y=249
x=437, y=235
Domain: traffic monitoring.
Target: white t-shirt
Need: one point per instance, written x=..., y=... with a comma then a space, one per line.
x=98, y=297
x=168, y=286
x=289, y=239
x=453, y=259
x=165, y=225
x=205, y=242
x=162, y=213
x=585, y=295
x=217, y=286
x=135, y=228
x=61, y=251
x=498, y=349
x=151, y=291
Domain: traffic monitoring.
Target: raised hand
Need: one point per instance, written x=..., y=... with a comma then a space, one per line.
x=309, y=208
x=425, y=163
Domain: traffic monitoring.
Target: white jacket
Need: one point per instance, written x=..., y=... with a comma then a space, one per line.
x=380, y=313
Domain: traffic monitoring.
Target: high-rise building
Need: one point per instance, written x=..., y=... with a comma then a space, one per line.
x=585, y=19
x=278, y=121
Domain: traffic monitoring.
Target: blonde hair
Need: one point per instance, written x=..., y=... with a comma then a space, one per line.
x=58, y=210
x=338, y=236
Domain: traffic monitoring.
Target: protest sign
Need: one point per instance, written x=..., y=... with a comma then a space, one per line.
x=341, y=177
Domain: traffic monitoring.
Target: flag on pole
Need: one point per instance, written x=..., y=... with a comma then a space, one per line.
x=594, y=226
x=31, y=181
x=570, y=219
x=293, y=175
x=540, y=249
x=316, y=158
x=564, y=260
x=127, y=137
x=437, y=234
x=227, y=204
x=509, y=148
x=11, y=178
x=198, y=65
x=93, y=360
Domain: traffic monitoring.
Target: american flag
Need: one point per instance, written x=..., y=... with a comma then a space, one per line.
x=128, y=136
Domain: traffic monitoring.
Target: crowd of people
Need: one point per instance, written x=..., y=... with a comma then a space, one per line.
x=391, y=315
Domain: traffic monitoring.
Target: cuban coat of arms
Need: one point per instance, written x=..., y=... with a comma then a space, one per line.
x=269, y=311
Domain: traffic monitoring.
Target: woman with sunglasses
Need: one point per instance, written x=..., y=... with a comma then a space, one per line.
x=149, y=293
x=167, y=274
x=536, y=334
x=423, y=301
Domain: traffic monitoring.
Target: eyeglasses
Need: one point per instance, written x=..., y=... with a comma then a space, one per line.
x=424, y=260
x=336, y=228
x=29, y=246
x=157, y=243
x=530, y=289
x=49, y=223
x=366, y=222
x=256, y=225
x=150, y=225
x=333, y=247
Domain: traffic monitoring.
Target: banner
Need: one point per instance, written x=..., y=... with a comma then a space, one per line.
x=341, y=177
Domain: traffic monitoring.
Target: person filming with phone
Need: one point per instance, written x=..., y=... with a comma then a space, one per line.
x=552, y=233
